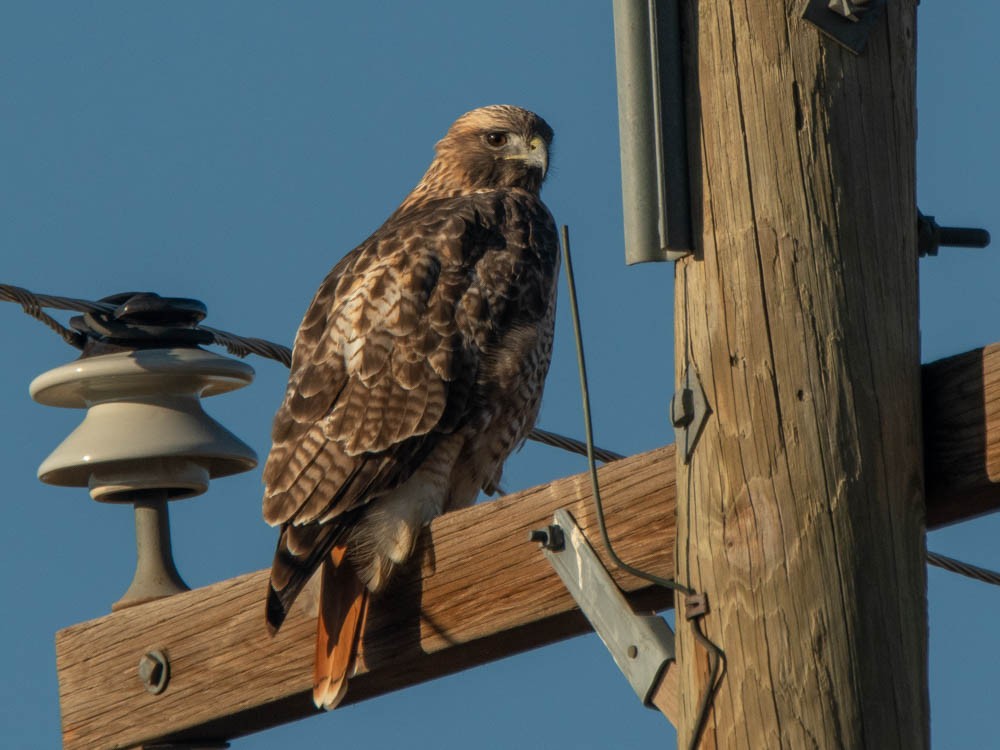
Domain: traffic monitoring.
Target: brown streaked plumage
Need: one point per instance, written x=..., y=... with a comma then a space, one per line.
x=416, y=371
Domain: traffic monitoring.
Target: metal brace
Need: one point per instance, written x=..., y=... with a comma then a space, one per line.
x=642, y=645
x=847, y=22
x=689, y=411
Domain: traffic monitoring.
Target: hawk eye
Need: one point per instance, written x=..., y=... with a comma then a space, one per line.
x=496, y=139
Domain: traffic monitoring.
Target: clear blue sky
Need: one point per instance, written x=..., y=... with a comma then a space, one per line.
x=233, y=151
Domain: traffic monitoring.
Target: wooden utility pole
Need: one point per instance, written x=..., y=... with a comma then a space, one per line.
x=801, y=513
x=444, y=620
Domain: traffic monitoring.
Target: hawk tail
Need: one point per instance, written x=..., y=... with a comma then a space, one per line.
x=301, y=550
x=343, y=610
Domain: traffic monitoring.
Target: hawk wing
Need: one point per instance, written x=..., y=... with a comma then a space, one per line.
x=387, y=358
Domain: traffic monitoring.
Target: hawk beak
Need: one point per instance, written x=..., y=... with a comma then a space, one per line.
x=538, y=154
x=535, y=154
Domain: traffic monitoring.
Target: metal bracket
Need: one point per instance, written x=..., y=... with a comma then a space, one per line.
x=689, y=412
x=641, y=645
x=847, y=22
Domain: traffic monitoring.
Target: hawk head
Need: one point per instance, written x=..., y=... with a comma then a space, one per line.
x=500, y=146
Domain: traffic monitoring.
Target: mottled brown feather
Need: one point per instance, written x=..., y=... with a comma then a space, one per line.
x=418, y=366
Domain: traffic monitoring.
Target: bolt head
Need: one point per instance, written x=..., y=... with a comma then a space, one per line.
x=551, y=537
x=538, y=535
x=154, y=671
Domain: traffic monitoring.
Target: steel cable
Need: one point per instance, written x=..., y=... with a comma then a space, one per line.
x=241, y=346
x=985, y=575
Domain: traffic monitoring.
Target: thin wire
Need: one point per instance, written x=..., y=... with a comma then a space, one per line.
x=572, y=445
x=32, y=305
x=716, y=671
x=11, y=293
x=31, y=302
x=243, y=345
x=963, y=568
x=589, y=431
x=716, y=654
x=240, y=346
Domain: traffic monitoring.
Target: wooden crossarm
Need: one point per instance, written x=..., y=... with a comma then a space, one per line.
x=962, y=435
x=478, y=592
x=482, y=591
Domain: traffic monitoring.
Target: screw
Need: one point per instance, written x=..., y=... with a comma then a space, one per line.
x=154, y=671
x=551, y=538
x=632, y=652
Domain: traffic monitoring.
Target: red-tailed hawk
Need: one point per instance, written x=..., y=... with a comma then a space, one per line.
x=417, y=369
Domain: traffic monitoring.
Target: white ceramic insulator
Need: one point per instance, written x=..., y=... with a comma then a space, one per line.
x=145, y=428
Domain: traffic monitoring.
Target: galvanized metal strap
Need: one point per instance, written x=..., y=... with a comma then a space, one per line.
x=641, y=645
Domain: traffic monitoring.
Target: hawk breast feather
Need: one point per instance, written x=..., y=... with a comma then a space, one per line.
x=408, y=340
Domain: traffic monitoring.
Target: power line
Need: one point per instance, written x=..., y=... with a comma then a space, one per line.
x=32, y=303
x=239, y=346
x=242, y=346
x=963, y=568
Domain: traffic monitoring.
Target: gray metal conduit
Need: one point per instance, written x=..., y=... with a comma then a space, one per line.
x=651, y=121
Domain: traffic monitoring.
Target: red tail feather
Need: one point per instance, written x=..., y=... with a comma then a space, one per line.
x=342, y=612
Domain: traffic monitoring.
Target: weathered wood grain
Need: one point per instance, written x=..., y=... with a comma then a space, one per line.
x=489, y=596
x=481, y=592
x=801, y=514
x=962, y=435
x=665, y=695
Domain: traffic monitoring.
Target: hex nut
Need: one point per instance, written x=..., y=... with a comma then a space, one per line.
x=154, y=671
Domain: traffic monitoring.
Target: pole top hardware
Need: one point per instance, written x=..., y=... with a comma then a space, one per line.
x=145, y=438
x=847, y=22
x=931, y=236
x=145, y=428
x=689, y=411
x=142, y=320
x=641, y=645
